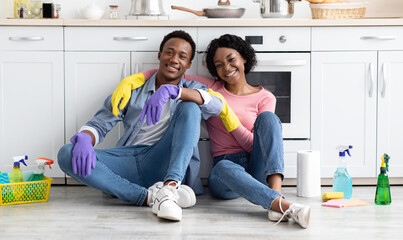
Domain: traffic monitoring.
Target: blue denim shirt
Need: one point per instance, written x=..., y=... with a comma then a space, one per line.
x=104, y=121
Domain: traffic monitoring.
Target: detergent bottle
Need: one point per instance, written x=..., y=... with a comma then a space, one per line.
x=382, y=196
x=38, y=174
x=16, y=174
x=341, y=179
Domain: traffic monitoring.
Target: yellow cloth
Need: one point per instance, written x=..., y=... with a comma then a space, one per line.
x=228, y=117
x=124, y=91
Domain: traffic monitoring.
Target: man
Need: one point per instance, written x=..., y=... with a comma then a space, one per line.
x=160, y=150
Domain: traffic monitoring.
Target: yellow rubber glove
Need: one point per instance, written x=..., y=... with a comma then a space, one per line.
x=228, y=117
x=124, y=91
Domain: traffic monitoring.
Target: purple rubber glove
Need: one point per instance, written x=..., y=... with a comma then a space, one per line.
x=153, y=107
x=83, y=154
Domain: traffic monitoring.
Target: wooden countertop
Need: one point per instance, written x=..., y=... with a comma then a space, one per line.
x=204, y=22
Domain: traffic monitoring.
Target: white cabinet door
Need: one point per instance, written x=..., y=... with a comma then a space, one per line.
x=390, y=111
x=31, y=107
x=90, y=78
x=344, y=109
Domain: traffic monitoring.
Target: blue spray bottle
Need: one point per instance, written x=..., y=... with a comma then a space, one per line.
x=341, y=179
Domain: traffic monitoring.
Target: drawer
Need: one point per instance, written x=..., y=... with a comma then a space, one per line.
x=31, y=38
x=357, y=38
x=265, y=39
x=118, y=38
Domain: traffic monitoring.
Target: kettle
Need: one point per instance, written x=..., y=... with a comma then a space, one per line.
x=276, y=8
x=91, y=11
x=146, y=8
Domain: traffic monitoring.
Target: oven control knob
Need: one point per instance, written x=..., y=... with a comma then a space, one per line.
x=282, y=39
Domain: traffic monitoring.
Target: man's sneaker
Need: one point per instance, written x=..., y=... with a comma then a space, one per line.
x=299, y=213
x=166, y=203
x=187, y=197
x=276, y=216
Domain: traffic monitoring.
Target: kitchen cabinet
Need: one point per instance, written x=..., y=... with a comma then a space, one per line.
x=97, y=63
x=32, y=95
x=390, y=112
x=350, y=104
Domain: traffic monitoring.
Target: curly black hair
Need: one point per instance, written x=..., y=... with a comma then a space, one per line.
x=183, y=35
x=234, y=42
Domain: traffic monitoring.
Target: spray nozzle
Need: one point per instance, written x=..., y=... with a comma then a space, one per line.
x=43, y=162
x=343, y=149
x=18, y=159
x=385, y=162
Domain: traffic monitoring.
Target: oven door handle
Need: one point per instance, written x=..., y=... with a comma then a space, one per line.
x=296, y=62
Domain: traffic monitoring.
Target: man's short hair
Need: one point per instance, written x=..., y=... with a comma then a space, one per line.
x=183, y=35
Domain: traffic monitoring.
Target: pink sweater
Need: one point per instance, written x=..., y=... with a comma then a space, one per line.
x=247, y=108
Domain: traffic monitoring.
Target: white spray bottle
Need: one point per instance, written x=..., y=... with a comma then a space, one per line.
x=38, y=174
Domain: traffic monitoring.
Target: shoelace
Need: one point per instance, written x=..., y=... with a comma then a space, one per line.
x=284, y=213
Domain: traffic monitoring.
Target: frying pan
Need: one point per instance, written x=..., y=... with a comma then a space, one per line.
x=223, y=10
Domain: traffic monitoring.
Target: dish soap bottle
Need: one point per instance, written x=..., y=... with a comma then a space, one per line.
x=16, y=174
x=341, y=179
x=38, y=174
x=382, y=196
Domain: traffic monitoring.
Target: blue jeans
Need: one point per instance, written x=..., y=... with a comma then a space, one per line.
x=244, y=174
x=127, y=172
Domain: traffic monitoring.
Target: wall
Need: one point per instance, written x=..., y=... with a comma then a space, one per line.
x=376, y=8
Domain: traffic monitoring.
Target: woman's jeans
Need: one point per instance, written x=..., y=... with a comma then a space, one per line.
x=127, y=172
x=243, y=174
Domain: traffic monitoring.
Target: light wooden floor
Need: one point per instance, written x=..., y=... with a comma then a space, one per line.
x=77, y=212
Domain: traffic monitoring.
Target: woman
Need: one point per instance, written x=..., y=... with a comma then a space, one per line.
x=246, y=139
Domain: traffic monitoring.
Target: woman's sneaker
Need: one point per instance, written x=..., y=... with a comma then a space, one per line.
x=299, y=213
x=276, y=216
x=187, y=197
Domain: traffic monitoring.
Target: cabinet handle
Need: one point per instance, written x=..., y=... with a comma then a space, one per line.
x=130, y=38
x=378, y=38
x=384, y=71
x=136, y=67
x=283, y=63
x=371, y=82
x=124, y=71
x=26, y=38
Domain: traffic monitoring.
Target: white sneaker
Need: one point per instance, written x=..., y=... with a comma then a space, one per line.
x=187, y=197
x=276, y=216
x=166, y=203
x=299, y=213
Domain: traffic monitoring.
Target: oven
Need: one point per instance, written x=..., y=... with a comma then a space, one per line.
x=284, y=70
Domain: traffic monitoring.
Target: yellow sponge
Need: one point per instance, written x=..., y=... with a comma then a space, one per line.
x=332, y=195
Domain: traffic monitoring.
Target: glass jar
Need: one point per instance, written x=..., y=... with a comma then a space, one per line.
x=36, y=8
x=113, y=12
x=56, y=8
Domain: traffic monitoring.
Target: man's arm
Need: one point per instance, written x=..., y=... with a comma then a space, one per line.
x=191, y=95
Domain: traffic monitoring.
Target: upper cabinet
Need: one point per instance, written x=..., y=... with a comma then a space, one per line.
x=32, y=95
x=355, y=85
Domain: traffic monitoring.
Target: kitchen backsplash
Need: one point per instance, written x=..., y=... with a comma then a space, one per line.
x=377, y=8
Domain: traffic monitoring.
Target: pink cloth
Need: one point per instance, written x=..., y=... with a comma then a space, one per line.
x=247, y=108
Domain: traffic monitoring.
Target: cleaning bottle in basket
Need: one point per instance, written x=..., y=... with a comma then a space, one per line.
x=38, y=174
x=382, y=196
x=16, y=174
x=341, y=179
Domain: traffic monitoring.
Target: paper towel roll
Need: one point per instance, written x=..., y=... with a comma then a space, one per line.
x=308, y=173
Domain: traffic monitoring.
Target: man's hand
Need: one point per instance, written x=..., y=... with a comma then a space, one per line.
x=124, y=91
x=227, y=115
x=84, y=157
x=153, y=107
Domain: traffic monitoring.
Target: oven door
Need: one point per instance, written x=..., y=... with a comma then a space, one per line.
x=287, y=76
